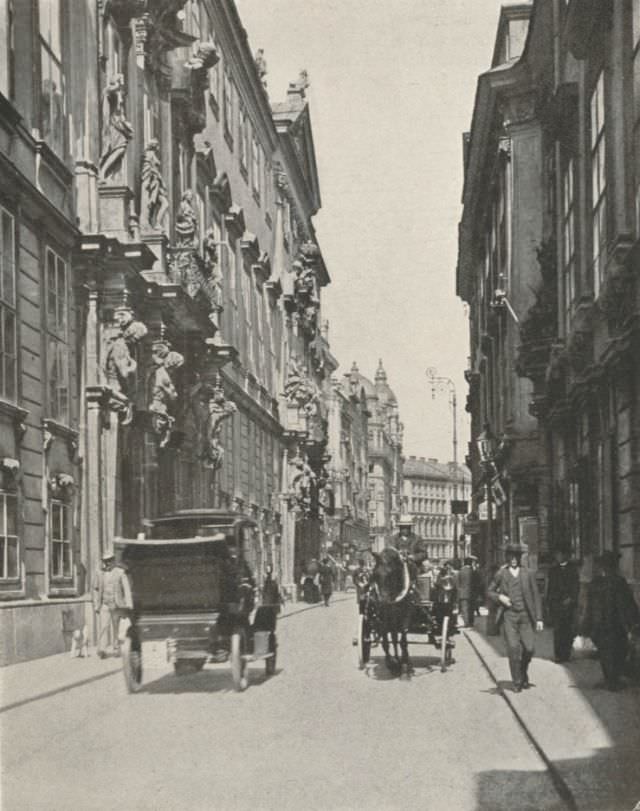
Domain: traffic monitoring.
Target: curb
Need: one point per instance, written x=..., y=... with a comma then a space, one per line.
x=557, y=779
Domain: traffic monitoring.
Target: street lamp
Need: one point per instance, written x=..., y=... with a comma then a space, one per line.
x=446, y=384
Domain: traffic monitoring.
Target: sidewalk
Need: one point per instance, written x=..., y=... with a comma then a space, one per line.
x=41, y=678
x=589, y=737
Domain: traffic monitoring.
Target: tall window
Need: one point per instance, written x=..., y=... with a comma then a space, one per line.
x=57, y=337
x=60, y=538
x=52, y=89
x=568, y=240
x=215, y=74
x=636, y=85
x=9, y=543
x=255, y=166
x=227, y=105
x=247, y=306
x=598, y=181
x=8, y=366
x=7, y=49
x=243, y=130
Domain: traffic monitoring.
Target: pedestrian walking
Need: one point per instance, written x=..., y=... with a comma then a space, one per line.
x=111, y=601
x=326, y=580
x=271, y=590
x=562, y=602
x=465, y=593
x=611, y=614
x=515, y=591
x=477, y=588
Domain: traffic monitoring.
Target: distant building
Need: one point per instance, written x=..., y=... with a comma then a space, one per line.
x=385, y=455
x=348, y=528
x=430, y=487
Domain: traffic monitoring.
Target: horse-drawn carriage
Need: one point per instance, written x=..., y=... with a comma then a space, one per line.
x=193, y=590
x=397, y=602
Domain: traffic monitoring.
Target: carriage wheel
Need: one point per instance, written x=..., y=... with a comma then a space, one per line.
x=270, y=663
x=364, y=641
x=443, y=643
x=131, y=665
x=238, y=664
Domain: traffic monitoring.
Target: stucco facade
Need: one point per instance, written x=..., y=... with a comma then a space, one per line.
x=163, y=345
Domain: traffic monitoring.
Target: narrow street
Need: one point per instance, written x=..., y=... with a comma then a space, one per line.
x=320, y=734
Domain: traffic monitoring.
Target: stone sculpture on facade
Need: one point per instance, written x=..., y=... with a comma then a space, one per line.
x=116, y=130
x=211, y=267
x=303, y=480
x=155, y=200
x=161, y=389
x=261, y=66
x=219, y=409
x=120, y=366
x=186, y=224
x=299, y=389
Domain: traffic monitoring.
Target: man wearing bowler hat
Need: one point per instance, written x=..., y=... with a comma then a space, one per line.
x=611, y=613
x=515, y=590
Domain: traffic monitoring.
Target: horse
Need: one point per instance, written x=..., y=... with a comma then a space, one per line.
x=391, y=585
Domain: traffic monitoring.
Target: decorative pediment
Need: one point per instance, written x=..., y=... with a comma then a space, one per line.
x=221, y=192
x=250, y=246
x=234, y=220
x=205, y=158
x=262, y=267
x=61, y=485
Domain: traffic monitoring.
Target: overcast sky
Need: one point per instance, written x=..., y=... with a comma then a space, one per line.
x=392, y=90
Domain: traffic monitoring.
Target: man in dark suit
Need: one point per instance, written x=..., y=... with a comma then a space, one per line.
x=562, y=602
x=465, y=593
x=515, y=590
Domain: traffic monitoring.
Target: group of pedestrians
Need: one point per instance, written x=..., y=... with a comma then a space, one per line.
x=609, y=617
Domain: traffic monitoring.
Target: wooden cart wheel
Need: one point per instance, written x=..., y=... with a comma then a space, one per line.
x=131, y=665
x=270, y=663
x=238, y=664
x=443, y=643
x=364, y=641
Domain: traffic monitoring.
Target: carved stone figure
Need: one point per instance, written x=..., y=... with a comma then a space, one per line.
x=186, y=222
x=219, y=409
x=303, y=479
x=161, y=390
x=204, y=58
x=212, y=267
x=120, y=365
x=116, y=130
x=155, y=201
x=261, y=66
x=298, y=389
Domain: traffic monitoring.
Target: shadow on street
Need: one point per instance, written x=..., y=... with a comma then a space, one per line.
x=208, y=680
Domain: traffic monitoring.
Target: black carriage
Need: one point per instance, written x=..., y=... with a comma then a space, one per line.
x=193, y=590
x=431, y=617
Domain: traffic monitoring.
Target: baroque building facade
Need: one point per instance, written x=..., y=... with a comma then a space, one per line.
x=385, y=435
x=161, y=343
x=348, y=531
x=429, y=488
x=549, y=261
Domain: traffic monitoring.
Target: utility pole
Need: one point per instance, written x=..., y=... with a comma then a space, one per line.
x=446, y=384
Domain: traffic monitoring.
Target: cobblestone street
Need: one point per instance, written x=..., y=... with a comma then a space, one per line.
x=319, y=735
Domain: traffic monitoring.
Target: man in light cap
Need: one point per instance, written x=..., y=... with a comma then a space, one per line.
x=111, y=600
x=515, y=590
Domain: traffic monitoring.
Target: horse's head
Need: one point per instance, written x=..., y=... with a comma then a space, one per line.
x=390, y=575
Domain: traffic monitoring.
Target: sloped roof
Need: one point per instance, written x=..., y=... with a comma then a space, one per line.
x=421, y=468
